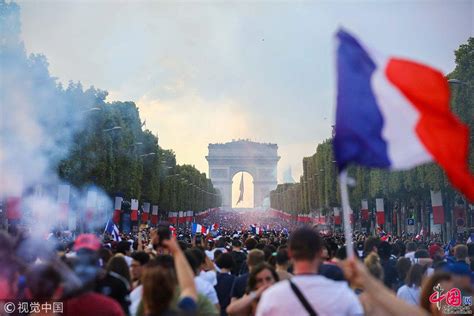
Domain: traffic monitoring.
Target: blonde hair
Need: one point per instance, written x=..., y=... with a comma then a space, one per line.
x=372, y=262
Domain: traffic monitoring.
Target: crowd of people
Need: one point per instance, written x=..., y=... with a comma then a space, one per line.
x=282, y=269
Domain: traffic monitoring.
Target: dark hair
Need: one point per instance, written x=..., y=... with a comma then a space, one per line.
x=192, y=260
x=422, y=253
x=403, y=266
x=384, y=250
x=105, y=254
x=42, y=281
x=252, y=282
x=118, y=265
x=415, y=275
x=141, y=257
x=225, y=261
x=250, y=243
x=370, y=243
x=199, y=254
x=282, y=256
x=236, y=243
x=123, y=246
x=305, y=243
x=411, y=246
x=255, y=257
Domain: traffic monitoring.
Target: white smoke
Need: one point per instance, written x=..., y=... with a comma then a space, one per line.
x=38, y=121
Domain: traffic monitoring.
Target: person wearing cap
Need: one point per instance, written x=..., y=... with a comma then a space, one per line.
x=86, y=267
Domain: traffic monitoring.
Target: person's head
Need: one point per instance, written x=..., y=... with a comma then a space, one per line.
x=43, y=283
x=436, y=252
x=118, y=265
x=445, y=282
x=139, y=259
x=403, y=266
x=372, y=262
x=236, y=244
x=104, y=256
x=225, y=261
x=159, y=286
x=370, y=244
x=255, y=257
x=411, y=246
x=460, y=252
x=282, y=259
x=200, y=256
x=422, y=253
x=262, y=275
x=250, y=244
x=305, y=245
x=124, y=248
x=415, y=275
x=384, y=250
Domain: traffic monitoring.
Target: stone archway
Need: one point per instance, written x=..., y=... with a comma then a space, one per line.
x=260, y=160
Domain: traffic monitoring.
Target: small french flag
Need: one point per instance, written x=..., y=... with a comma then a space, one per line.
x=256, y=230
x=198, y=228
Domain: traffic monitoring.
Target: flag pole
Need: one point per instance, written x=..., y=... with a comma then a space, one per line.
x=346, y=210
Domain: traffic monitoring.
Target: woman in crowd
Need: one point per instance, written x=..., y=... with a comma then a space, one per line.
x=410, y=292
x=159, y=285
x=261, y=277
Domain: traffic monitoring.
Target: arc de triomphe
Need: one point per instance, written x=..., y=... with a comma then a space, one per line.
x=260, y=160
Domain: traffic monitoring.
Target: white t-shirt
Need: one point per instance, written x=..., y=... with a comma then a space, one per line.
x=411, y=295
x=327, y=297
x=135, y=298
x=207, y=289
x=209, y=276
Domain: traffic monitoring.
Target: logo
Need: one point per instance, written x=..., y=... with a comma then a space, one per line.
x=455, y=302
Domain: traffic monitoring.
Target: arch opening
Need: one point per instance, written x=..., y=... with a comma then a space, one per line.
x=248, y=190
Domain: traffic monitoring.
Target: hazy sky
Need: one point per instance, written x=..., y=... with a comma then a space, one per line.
x=212, y=71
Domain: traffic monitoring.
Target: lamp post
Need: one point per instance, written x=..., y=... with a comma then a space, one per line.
x=115, y=128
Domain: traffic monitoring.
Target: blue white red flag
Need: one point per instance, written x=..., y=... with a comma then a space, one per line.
x=394, y=113
x=113, y=230
x=198, y=228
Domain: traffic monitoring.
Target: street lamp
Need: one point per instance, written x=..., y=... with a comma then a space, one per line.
x=115, y=128
x=147, y=155
x=91, y=110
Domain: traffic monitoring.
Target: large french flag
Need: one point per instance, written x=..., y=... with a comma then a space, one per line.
x=394, y=113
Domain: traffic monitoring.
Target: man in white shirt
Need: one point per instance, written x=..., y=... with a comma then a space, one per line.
x=324, y=296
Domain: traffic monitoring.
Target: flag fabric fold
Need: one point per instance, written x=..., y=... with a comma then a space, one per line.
x=395, y=113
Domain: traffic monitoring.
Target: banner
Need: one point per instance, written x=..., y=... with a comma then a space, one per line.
x=146, y=211
x=117, y=209
x=134, y=208
x=364, y=211
x=438, y=209
x=337, y=216
x=380, y=211
x=154, y=215
x=459, y=214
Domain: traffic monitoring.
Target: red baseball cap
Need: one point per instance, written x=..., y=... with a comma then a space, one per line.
x=87, y=241
x=433, y=249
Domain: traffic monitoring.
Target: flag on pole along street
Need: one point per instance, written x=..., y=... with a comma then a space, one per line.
x=380, y=211
x=395, y=113
x=134, y=208
x=241, y=196
x=364, y=212
x=437, y=205
x=117, y=209
x=337, y=216
x=146, y=211
x=154, y=215
x=113, y=230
